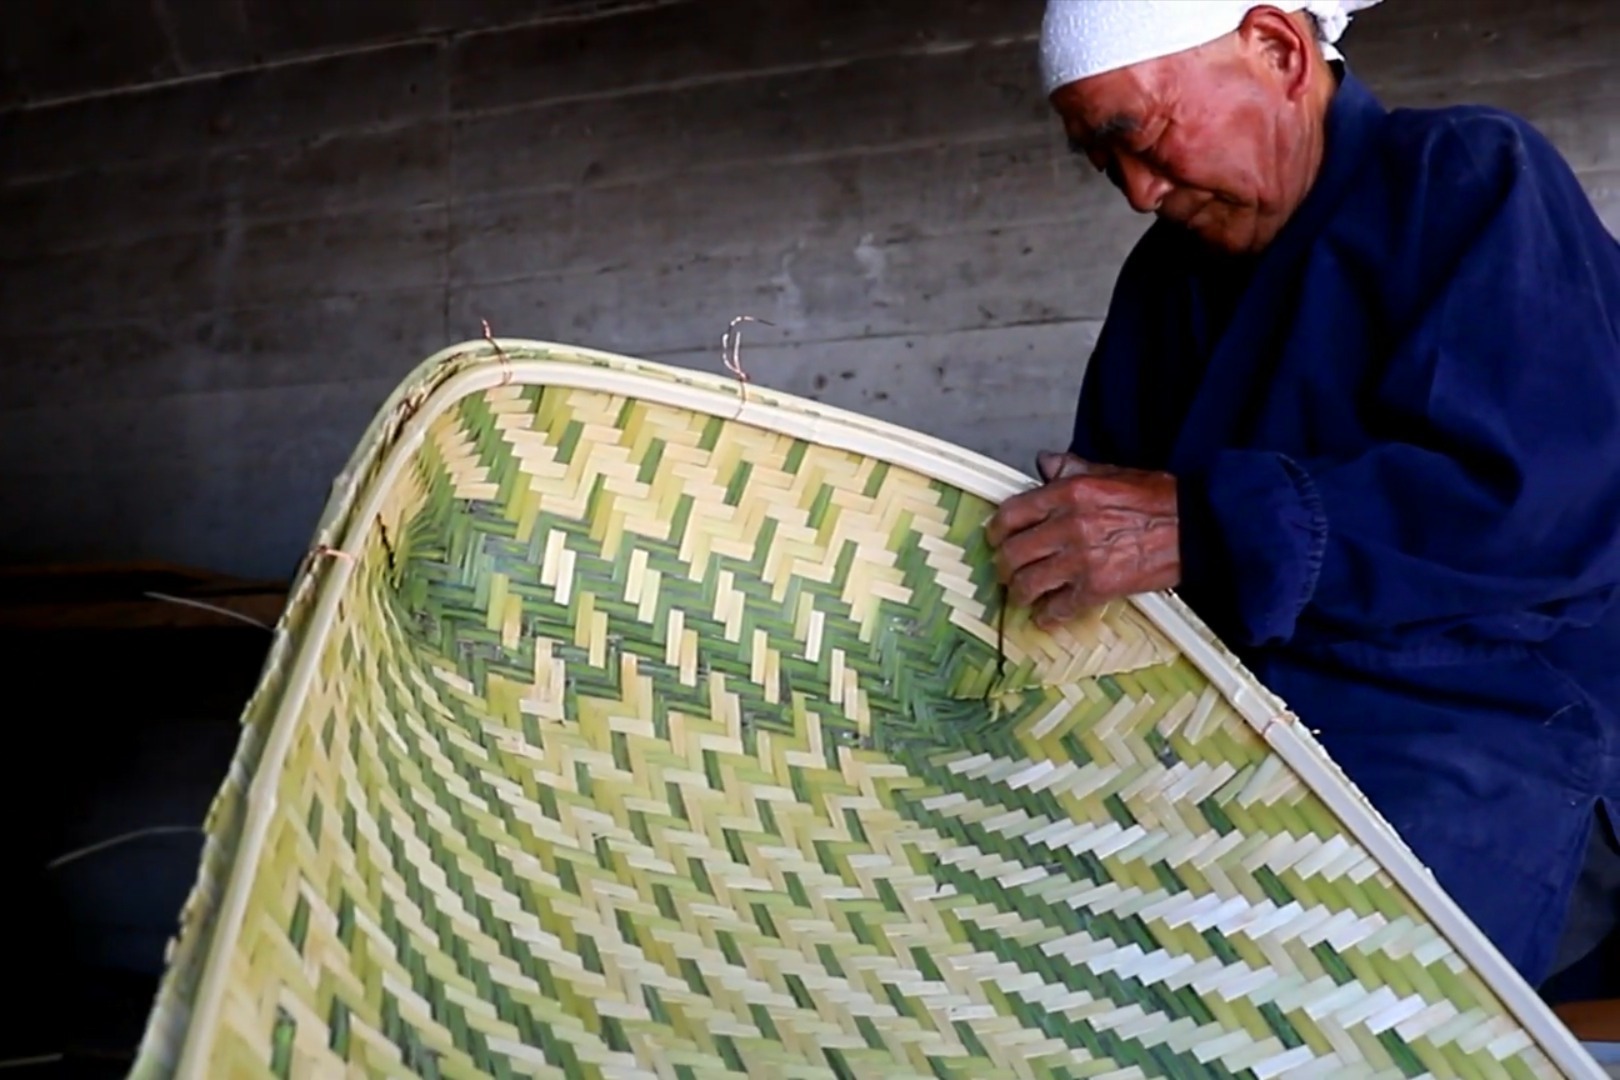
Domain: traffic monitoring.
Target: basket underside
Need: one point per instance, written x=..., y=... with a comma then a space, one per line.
x=628, y=734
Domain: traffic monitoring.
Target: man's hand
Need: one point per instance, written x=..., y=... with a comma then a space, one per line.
x=1089, y=535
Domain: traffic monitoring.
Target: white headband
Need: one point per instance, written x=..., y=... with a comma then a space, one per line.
x=1082, y=38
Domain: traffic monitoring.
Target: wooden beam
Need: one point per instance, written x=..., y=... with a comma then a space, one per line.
x=1592, y=1021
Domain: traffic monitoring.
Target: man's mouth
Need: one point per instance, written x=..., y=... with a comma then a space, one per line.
x=1186, y=211
x=1186, y=219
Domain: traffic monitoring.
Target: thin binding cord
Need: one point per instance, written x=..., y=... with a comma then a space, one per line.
x=1001, y=648
x=731, y=353
x=500, y=354
x=215, y=608
x=32, y=1062
x=1001, y=636
x=121, y=838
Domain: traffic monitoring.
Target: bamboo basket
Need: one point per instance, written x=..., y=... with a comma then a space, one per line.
x=626, y=721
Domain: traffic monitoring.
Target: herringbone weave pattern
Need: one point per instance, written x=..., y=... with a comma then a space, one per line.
x=653, y=743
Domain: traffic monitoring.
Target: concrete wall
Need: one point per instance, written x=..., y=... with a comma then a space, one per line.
x=228, y=227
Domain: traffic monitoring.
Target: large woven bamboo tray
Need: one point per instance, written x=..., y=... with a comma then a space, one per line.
x=625, y=723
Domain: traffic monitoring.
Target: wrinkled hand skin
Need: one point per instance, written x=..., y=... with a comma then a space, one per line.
x=1090, y=535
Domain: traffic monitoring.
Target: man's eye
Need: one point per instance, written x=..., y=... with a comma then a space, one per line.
x=1115, y=175
x=1098, y=159
x=1146, y=144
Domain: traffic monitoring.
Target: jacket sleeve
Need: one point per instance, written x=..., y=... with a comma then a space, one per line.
x=1494, y=501
x=1092, y=438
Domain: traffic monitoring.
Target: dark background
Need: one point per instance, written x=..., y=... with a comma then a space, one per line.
x=229, y=227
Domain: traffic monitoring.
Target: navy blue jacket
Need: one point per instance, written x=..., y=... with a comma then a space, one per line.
x=1397, y=440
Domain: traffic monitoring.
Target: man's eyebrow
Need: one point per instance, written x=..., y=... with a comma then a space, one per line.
x=1118, y=124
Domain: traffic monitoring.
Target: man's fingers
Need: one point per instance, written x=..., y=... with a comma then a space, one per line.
x=1063, y=606
x=1054, y=466
x=1019, y=513
x=1029, y=546
x=1031, y=507
x=1032, y=583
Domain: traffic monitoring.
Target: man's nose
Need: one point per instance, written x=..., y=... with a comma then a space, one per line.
x=1144, y=189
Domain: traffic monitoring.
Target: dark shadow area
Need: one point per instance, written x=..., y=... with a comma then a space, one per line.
x=1589, y=969
x=112, y=731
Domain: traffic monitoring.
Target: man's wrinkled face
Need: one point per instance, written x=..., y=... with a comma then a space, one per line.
x=1207, y=139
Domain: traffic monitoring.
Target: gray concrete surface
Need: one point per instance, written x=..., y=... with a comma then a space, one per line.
x=227, y=227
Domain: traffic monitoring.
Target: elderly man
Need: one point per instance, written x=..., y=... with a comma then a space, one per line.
x=1357, y=398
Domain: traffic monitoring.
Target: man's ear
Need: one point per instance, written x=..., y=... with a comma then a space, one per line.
x=1285, y=46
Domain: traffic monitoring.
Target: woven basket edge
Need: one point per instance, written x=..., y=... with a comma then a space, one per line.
x=444, y=378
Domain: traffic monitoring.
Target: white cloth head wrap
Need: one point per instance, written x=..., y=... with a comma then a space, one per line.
x=1082, y=38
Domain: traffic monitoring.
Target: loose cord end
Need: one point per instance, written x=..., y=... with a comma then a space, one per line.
x=731, y=352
